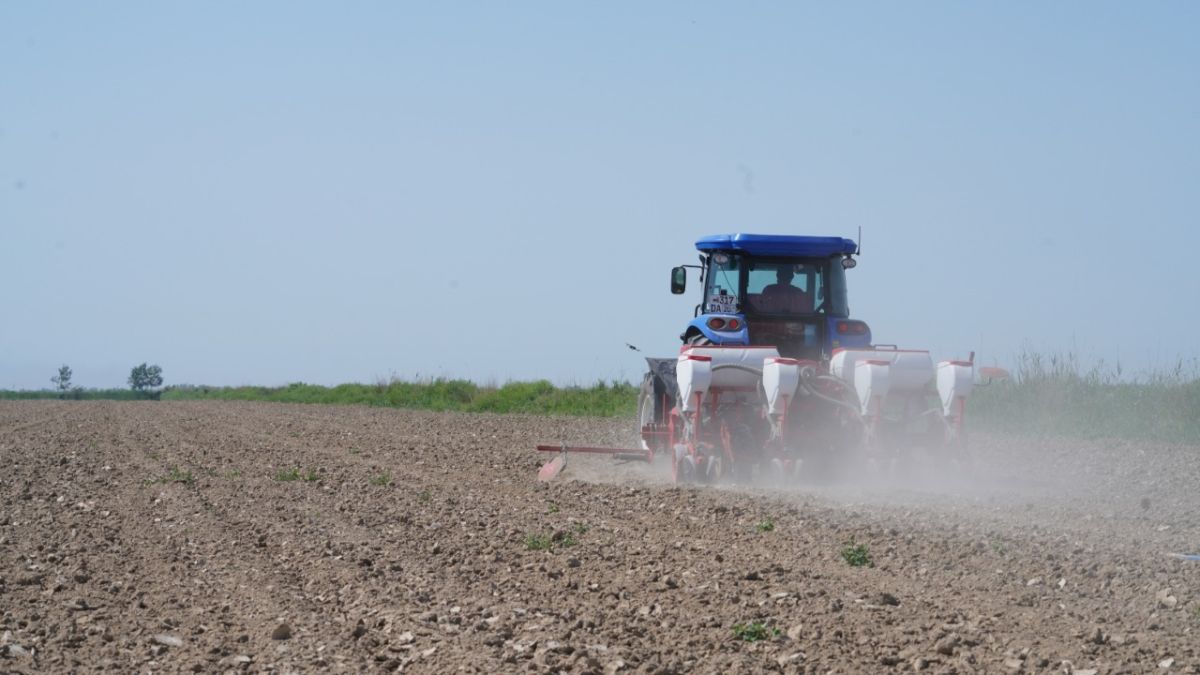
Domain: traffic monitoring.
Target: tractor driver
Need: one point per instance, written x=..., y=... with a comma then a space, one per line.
x=784, y=298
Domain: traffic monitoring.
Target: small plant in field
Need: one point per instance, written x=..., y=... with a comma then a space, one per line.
x=553, y=508
x=767, y=525
x=382, y=479
x=293, y=474
x=545, y=542
x=233, y=474
x=538, y=542
x=175, y=475
x=424, y=495
x=857, y=555
x=998, y=548
x=209, y=471
x=754, y=631
x=580, y=528
x=354, y=451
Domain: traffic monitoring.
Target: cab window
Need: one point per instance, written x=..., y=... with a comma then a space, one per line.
x=784, y=286
x=721, y=286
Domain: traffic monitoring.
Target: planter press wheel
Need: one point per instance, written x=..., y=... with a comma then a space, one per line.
x=785, y=472
x=683, y=465
x=714, y=468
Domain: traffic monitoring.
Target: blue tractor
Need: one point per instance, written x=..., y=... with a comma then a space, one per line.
x=775, y=379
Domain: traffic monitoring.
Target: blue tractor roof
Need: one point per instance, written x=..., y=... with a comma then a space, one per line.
x=778, y=245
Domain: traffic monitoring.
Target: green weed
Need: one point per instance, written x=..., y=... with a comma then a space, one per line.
x=424, y=496
x=294, y=474
x=382, y=479
x=545, y=542
x=175, y=475
x=553, y=508
x=754, y=631
x=767, y=525
x=538, y=542
x=857, y=555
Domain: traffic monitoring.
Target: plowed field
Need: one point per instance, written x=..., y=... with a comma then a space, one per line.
x=138, y=537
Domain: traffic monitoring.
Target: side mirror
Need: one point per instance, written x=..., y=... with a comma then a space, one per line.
x=678, y=280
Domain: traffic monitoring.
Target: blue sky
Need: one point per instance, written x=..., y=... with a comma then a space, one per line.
x=275, y=192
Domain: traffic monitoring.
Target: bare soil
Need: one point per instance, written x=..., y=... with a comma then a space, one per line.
x=139, y=537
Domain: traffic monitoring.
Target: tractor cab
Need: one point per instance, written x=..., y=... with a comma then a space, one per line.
x=784, y=291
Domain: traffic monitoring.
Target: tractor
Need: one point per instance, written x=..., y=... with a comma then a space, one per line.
x=774, y=380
